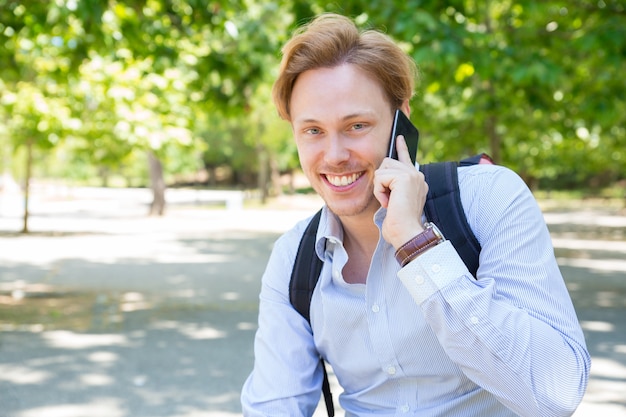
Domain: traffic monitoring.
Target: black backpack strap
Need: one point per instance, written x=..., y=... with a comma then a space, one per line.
x=308, y=265
x=443, y=207
x=328, y=396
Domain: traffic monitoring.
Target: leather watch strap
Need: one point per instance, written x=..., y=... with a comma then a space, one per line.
x=431, y=236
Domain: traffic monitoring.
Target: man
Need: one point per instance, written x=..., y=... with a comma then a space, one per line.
x=417, y=335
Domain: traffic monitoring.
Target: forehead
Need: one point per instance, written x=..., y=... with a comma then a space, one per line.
x=336, y=91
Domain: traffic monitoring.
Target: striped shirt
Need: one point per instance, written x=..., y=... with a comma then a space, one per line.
x=427, y=339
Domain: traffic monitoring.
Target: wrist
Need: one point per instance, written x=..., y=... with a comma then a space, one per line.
x=406, y=235
x=430, y=237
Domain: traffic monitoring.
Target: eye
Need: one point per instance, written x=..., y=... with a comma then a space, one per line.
x=312, y=131
x=358, y=126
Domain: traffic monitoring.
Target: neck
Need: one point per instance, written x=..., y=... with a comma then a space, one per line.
x=360, y=235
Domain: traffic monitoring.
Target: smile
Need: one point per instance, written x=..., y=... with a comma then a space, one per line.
x=343, y=180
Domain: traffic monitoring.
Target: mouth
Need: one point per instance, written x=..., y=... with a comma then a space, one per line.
x=343, y=180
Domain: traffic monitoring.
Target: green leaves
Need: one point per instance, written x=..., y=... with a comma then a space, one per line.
x=519, y=80
x=539, y=85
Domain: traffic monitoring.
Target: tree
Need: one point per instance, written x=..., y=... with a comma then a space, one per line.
x=535, y=84
x=31, y=90
x=130, y=65
x=217, y=52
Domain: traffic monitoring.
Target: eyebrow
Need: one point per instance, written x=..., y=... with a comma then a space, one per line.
x=344, y=118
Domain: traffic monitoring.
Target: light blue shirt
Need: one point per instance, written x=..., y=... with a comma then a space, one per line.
x=427, y=339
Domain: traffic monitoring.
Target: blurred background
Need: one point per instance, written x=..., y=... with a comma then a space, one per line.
x=144, y=174
x=156, y=93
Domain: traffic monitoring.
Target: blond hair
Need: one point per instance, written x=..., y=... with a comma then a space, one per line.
x=331, y=40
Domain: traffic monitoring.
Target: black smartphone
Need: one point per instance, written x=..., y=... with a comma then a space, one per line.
x=403, y=126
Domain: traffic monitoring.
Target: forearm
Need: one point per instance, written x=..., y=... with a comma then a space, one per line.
x=531, y=367
x=513, y=331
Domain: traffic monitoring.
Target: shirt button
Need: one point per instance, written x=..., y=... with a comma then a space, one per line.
x=404, y=409
x=419, y=279
x=336, y=274
x=474, y=320
x=436, y=268
x=391, y=370
x=375, y=308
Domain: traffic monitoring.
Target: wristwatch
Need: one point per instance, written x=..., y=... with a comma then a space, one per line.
x=431, y=236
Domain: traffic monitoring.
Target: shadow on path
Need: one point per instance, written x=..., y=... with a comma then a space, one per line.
x=134, y=317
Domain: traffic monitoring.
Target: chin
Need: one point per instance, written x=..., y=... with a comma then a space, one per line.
x=355, y=208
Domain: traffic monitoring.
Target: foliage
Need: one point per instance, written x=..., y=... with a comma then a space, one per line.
x=535, y=84
x=538, y=85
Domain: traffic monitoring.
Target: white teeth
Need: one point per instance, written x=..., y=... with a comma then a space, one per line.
x=342, y=181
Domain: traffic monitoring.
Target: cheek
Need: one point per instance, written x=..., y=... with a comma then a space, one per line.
x=305, y=155
x=382, y=146
x=374, y=147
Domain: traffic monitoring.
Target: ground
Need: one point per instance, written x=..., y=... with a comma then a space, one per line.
x=107, y=312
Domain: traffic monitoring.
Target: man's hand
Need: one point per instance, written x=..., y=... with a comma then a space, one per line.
x=401, y=189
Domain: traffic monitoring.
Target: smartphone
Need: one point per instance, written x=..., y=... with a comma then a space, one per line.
x=403, y=126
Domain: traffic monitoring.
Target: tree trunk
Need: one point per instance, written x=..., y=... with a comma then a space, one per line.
x=277, y=188
x=104, y=176
x=292, y=182
x=262, y=180
x=212, y=176
x=29, y=165
x=495, y=142
x=157, y=185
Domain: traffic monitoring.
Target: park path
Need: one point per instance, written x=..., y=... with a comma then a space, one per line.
x=107, y=312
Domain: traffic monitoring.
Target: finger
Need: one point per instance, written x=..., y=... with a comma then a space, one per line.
x=381, y=193
x=403, y=150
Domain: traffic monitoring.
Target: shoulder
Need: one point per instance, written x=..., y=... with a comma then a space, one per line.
x=275, y=280
x=491, y=194
x=286, y=245
x=480, y=175
x=490, y=182
x=283, y=255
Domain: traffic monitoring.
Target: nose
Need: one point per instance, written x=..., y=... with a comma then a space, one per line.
x=336, y=151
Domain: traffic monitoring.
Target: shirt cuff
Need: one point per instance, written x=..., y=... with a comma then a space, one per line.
x=432, y=270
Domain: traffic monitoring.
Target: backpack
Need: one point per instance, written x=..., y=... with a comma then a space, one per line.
x=443, y=202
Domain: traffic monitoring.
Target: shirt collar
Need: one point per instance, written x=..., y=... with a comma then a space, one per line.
x=330, y=229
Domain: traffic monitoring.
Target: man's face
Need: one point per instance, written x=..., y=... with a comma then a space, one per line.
x=341, y=121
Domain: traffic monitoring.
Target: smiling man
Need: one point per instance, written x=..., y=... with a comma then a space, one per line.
x=415, y=336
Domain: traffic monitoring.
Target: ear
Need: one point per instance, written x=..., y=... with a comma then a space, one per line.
x=406, y=109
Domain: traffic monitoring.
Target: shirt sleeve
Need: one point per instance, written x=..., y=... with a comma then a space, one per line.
x=513, y=330
x=287, y=376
